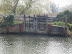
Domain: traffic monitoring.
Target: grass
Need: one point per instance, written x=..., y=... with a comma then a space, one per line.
x=17, y=22
x=58, y=23
x=70, y=33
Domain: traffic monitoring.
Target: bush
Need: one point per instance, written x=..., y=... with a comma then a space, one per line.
x=63, y=24
x=59, y=23
x=70, y=27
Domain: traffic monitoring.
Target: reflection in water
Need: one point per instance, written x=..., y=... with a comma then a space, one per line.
x=12, y=44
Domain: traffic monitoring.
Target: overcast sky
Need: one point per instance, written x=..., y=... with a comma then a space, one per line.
x=62, y=3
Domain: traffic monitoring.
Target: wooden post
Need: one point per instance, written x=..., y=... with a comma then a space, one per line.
x=68, y=32
x=39, y=25
x=46, y=24
x=36, y=24
x=66, y=21
x=29, y=22
x=24, y=23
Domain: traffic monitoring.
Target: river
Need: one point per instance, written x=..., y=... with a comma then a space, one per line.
x=32, y=44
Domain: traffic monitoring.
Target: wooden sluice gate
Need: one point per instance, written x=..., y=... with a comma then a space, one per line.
x=36, y=24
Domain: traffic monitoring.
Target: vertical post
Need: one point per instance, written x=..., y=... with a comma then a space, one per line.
x=34, y=23
x=46, y=24
x=68, y=32
x=66, y=21
x=29, y=22
x=39, y=25
x=24, y=22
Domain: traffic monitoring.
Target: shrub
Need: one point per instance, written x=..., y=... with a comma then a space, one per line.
x=59, y=23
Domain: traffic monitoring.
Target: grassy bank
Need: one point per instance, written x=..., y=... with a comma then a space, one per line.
x=17, y=22
x=58, y=23
x=70, y=33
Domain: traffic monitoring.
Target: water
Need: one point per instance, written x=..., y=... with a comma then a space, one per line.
x=25, y=44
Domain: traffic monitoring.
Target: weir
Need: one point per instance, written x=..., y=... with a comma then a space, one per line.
x=37, y=24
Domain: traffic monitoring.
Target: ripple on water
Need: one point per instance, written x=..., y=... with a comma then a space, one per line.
x=13, y=44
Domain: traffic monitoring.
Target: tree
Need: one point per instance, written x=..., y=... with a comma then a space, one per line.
x=61, y=16
x=27, y=7
x=8, y=20
x=53, y=8
x=15, y=6
x=9, y=6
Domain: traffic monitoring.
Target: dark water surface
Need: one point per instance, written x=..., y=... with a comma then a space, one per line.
x=25, y=44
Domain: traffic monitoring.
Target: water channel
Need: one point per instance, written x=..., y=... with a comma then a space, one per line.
x=32, y=44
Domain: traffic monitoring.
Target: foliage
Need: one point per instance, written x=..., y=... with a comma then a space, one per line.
x=8, y=20
x=9, y=6
x=23, y=6
x=28, y=5
x=58, y=23
x=61, y=16
x=63, y=24
x=70, y=27
x=17, y=22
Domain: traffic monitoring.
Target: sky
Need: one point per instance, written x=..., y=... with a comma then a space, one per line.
x=59, y=3
x=62, y=3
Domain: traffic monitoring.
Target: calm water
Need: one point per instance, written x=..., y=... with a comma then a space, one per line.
x=24, y=44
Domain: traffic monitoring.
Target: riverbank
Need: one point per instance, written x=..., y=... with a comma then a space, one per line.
x=70, y=33
x=34, y=34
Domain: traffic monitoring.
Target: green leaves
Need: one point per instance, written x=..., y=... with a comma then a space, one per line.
x=9, y=6
x=58, y=23
x=61, y=16
x=24, y=6
x=8, y=20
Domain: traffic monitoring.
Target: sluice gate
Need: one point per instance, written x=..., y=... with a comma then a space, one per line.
x=36, y=24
